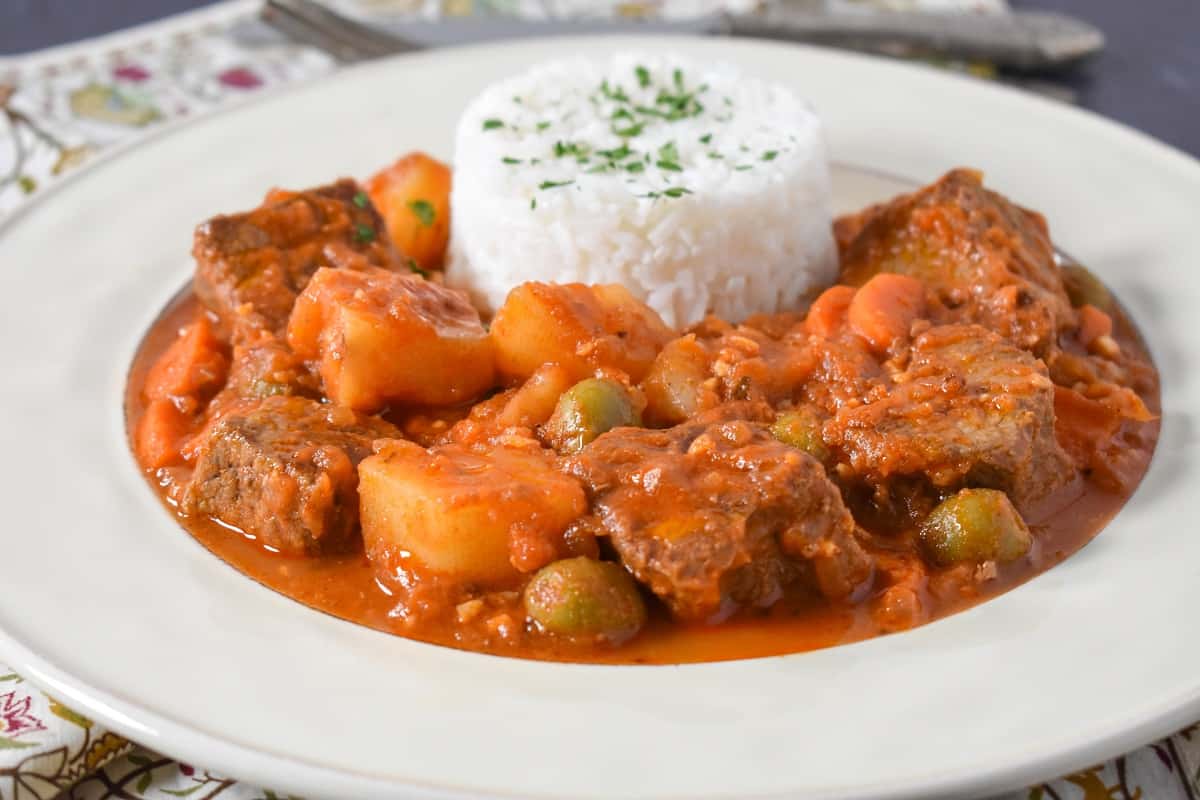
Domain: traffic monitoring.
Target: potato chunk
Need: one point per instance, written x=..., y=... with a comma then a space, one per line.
x=383, y=338
x=581, y=328
x=413, y=196
x=455, y=511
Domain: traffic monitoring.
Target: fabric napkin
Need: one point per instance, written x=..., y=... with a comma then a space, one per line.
x=61, y=108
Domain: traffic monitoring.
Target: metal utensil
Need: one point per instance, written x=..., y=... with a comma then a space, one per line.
x=1023, y=40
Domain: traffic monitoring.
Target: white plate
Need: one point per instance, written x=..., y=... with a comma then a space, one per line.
x=110, y=606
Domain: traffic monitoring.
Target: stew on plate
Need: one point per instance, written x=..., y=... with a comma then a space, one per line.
x=575, y=480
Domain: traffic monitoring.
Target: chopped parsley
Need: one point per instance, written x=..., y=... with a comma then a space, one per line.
x=541, y=126
x=532, y=203
x=424, y=210
x=635, y=166
x=554, y=184
x=364, y=233
x=631, y=131
x=706, y=138
x=413, y=266
x=361, y=199
x=616, y=154
x=612, y=93
x=770, y=155
x=668, y=152
x=643, y=76
x=676, y=191
x=670, y=166
x=492, y=124
x=743, y=167
x=570, y=149
x=511, y=160
x=715, y=155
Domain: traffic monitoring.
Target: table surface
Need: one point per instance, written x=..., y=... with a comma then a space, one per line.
x=1148, y=77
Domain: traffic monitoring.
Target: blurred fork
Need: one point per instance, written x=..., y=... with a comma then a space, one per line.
x=1021, y=40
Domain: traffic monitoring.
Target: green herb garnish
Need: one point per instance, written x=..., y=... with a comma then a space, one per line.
x=743, y=167
x=361, y=199
x=670, y=166
x=676, y=191
x=668, y=152
x=364, y=233
x=643, y=76
x=414, y=267
x=570, y=149
x=635, y=166
x=424, y=211
x=616, y=154
x=541, y=126
x=554, y=184
x=706, y=138
x=770, y=155
x=492, y=124
x=511, y=160
x=631, y=131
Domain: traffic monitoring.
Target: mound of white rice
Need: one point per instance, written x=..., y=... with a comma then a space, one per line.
x=696, y=187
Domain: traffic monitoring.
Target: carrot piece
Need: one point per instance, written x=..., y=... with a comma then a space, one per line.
x=413, y=197
x=192, y=366
x=160, y=434
x=1093, y=323
x=827, y=314
x=884, y=308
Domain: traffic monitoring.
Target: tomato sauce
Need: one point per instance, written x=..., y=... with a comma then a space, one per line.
x=346, y=586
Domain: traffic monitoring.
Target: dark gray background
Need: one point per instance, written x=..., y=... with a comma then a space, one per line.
x=1149, y=77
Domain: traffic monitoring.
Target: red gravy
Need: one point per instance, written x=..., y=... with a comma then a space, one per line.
x=346, y=586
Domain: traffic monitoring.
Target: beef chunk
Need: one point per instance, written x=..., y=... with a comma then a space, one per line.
x=263, y=367
x=285, y=471
x=251, y=266
x=717, y=516
x=969, y=409
x=983, y=259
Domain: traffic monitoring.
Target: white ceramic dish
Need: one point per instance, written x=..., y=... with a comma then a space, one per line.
x=113, y=608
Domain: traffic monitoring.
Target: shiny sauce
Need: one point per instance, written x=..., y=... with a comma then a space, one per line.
x=346, y=586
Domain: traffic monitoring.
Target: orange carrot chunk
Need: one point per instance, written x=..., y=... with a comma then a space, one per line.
x=1093, y=323
x=827, y=314
x=193, y=366
x=160, y=435
x=884, y=309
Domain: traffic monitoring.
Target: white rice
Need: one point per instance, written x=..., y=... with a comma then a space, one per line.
x=747, y=231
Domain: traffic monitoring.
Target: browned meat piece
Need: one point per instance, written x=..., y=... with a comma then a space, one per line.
x=251, y=266
x=983, y=259
x=717, y=516
x=970, y=409
x=285, y=472
x=263, y=367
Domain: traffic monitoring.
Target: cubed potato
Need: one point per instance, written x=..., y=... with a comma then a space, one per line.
x=454, y=510
x=382, y=338
x=413, y=196
x=581, y=328
x=674, y=387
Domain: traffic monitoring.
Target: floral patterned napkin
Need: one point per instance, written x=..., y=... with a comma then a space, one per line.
x=63, y=107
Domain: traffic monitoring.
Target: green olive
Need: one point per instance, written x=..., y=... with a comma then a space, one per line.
x=585, y=597
x=801, y=428
x=1084, y=288
x=973, y=526
x=588, y=409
